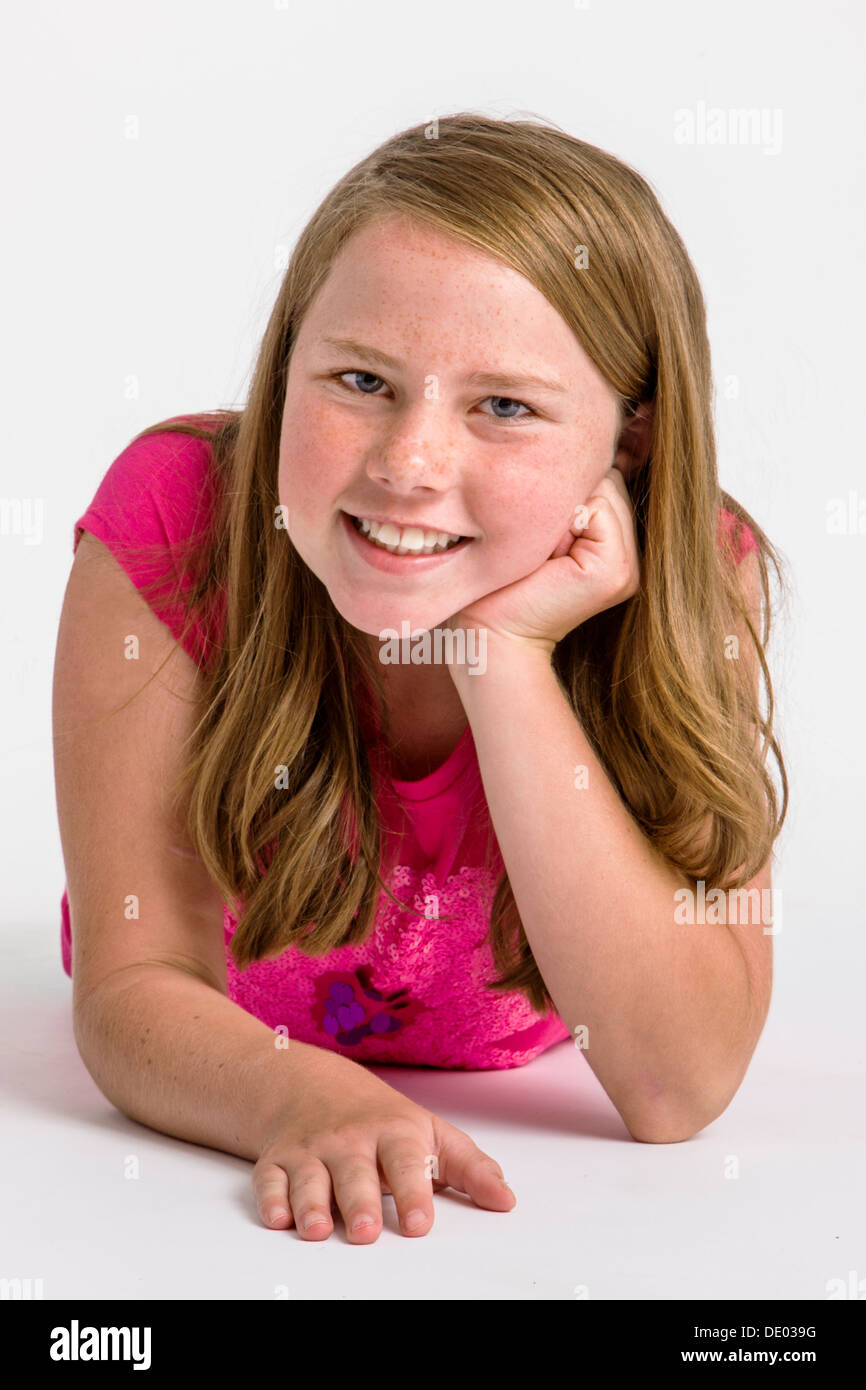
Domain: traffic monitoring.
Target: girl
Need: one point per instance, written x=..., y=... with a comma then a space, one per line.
x=481, y=411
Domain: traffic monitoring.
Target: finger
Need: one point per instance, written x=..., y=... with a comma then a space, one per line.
x=310, y=1197
x=355, y=1180
x=271, y=1190
x=612, y=489
x=409, y=1171
x=616, y=528
x=617, y=476
x=603, y=526
x=386, y=1191
x=625, y=511
x=468, y=1169
x=620, y=498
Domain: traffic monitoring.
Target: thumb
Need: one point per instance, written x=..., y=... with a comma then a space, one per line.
x=466, y=1168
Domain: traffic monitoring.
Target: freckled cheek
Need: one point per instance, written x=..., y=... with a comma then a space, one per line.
x=526, y=521
x=317, y=461
x=516, y=542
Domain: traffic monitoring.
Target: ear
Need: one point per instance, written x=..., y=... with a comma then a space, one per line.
x=635, y=440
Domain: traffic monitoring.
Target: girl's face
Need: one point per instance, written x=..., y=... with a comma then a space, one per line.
x=427, y=418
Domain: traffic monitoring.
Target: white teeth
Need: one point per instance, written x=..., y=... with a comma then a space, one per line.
x=411, y=540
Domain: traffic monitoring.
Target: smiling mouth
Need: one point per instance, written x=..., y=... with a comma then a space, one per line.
x=437, y=546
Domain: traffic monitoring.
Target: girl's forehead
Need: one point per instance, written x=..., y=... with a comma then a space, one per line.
x=484, y=315
x=418, y=294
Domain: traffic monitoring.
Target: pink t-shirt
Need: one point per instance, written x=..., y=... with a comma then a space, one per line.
x=413, y=992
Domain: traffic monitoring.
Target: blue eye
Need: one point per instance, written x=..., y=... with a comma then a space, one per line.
x=501, y=419
x=507, y=419
x=368, y=375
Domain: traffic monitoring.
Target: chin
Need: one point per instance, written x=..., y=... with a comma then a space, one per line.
x=374, y=620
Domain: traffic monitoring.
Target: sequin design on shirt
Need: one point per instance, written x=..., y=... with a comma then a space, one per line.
x=348, y=1008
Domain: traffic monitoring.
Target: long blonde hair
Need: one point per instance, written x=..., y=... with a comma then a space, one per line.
x=673, y=721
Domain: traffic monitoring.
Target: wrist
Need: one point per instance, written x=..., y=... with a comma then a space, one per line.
x=498, y=655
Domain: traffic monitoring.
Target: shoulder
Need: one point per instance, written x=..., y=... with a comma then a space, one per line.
x=157, y=489
x=734, y=535
x=154, y=510
x=740, y=546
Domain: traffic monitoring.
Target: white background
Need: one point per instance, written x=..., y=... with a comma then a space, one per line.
x=156, y=260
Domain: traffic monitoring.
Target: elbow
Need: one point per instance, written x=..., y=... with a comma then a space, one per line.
x=91, y=1050
x=663, y=1131
x=664, y=1121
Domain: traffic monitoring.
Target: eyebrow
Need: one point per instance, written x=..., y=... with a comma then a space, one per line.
x=503, y=378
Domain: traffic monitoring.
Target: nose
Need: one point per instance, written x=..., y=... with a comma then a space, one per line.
x=415, y=454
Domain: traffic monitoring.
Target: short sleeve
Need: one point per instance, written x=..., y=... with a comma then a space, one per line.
x=735, y=536
x=156, y=497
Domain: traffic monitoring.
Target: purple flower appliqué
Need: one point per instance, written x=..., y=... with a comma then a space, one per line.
x=349, y=1009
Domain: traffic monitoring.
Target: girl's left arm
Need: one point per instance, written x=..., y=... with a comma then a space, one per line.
x=672, y=1012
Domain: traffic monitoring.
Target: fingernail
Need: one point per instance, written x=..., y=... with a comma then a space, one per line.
x=415, y=1220
x=279, y=1215
x=363, y=1221
x=315, y=1219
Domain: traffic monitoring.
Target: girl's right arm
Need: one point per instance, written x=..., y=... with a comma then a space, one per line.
x=152, y=1019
